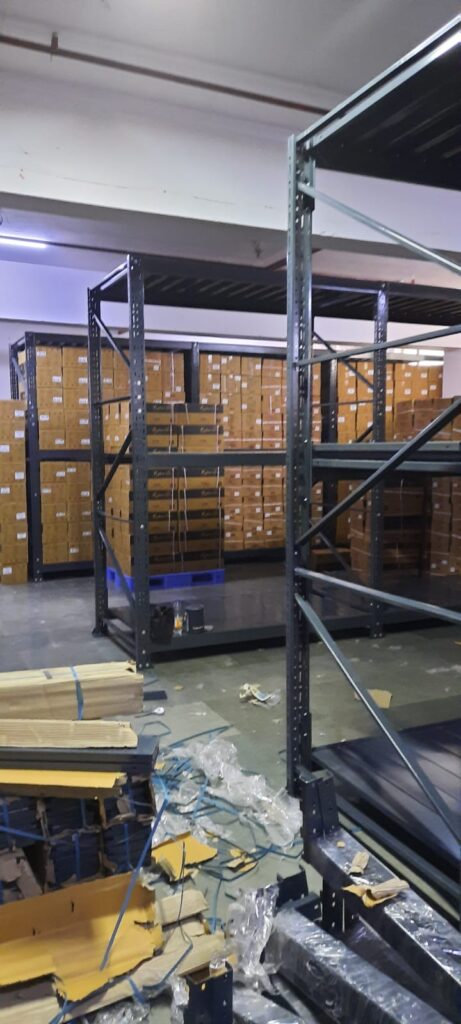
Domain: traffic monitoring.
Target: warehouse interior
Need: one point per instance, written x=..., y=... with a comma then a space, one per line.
x=230, y=512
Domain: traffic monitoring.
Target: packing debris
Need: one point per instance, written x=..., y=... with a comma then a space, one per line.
x=359, y=863
x=177, y=857
x=372, y=895
x=382, y=698
x=251, y=693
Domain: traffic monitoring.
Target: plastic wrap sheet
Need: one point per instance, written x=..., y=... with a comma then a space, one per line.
x=249, y=925
x=336, y=980
x=277, y=812
x=123, y=1013
x=253, y=1008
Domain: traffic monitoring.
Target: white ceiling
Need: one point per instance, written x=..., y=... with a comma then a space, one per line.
x=315, y=47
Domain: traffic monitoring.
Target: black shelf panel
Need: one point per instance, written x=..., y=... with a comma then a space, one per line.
x=65, y=567
x=64, y=455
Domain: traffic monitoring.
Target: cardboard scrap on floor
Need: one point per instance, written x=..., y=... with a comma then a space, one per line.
x=187, y=944
x=252, y=693
x=382, y=698
x=33, y=782
x=63, y=735
x=177, y=857
x=64, y=935
x=372, y=895
x=241, y=861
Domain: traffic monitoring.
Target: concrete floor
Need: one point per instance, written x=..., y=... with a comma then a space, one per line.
x=49, y=624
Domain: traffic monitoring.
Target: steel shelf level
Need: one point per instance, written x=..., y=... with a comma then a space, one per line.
x=414, y=108
x=24, y=374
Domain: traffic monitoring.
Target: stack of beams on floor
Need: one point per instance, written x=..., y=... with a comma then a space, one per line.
x=74, y=812
x=80, y=691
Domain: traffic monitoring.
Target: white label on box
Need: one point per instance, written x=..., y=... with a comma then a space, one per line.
x=73, y=551
x=4, y=447
x=407, y=391
x=84, y=422
x=350, y=391
x=85, y=440
x=21, y=536
x=46, y=490
x=5, y=490
x=269, y=533
x=56, y=378
x=44, y=417
x=19, y=414
x=107, y=380
x=84, y=494
x=86, y=533
x=83, y=401
x=57, y=399
x=82, y=359
x=59, y=440
x=20, y=515
x=62, y=472
x=19, y=475
x=7, y=570
x=83, y=380
x=60, y=515
x=40, y=353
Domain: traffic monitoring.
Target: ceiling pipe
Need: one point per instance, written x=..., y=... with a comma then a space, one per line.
x=54, y=50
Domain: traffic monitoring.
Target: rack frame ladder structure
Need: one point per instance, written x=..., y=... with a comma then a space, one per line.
x=368, y=113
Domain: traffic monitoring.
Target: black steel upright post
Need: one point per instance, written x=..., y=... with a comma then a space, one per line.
x=33, y=455
x=329, y=416
x=14, y=383
x=97, y=461
x=140, y=520
x=193, y=361
x=299, y=460
x=379, y=434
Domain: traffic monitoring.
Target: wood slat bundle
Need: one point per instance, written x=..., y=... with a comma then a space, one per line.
x=62, y=735
x=80, y=691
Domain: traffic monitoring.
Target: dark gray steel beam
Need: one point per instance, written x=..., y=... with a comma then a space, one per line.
x=97, y=460
x=35, y=501
x=393, y=463
x=420, y=934
x=379, y=433
x=400, y=746
x=363, y=350
x=115, y=344
x=407, y=603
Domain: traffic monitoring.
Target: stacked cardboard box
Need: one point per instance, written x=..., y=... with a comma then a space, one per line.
x=405, y=382
x=184, y=507
x=252, y=392
x=412, y=415
x=273, y=492
x=66, y=512
x=13, y=502
x=62, y=397
x=445, y=537
x=273, y=402
x=403, y=541
x=254, y=507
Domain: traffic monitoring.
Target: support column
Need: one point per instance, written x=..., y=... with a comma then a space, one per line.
x=140, y=520
x=97, y=462
x=299, y=460
x=379, y=434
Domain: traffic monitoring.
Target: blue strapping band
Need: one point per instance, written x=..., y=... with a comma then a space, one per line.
x=22, y=834
x=126, y=839
x=131, y=885
x=76, y=845
x=136, y=992
x=78, y=693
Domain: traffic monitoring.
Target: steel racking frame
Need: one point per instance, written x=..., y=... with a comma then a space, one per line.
x=361, y=136
x=37, y=455
x=225, y=286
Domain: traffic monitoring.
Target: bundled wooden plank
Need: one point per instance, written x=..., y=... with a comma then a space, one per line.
x=80, y=784
x=78, y=691
x=62, y=735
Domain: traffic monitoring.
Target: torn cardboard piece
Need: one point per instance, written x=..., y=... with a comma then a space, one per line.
x=176, y=857
x=252, y=693
x=64, y=935
x=359, y=863
x=382, y=698
x=372, y=895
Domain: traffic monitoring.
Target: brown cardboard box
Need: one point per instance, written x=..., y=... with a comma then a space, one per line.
x=11, y=512
x=54, y=512
x=78, y=437
x=12, y=412
x=14, y=491
x=76, y=358
x=13, y=574
x=52, y=438
x=53, y=493
x=54, y=532
x=12, y=451
x=54, y=553
x=52, y=472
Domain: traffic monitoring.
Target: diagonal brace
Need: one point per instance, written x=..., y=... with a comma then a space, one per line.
x=113, y=469
x=341, y=359
x=400, y=747
x=113, y=556
x=392, y=464
x=363, y=350
x=408, y=243
x=111, y=339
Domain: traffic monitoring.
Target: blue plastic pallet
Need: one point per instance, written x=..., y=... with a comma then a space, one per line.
x=171, y=580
